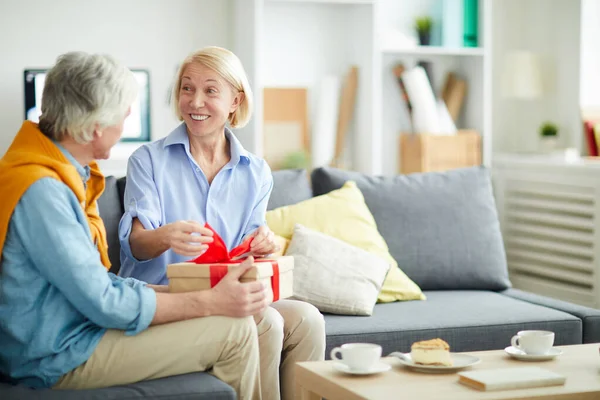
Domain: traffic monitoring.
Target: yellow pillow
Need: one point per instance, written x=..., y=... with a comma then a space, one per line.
x=344, y=214
x=283, y=244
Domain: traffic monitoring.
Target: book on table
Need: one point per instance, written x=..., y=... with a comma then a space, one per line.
x=510, y=378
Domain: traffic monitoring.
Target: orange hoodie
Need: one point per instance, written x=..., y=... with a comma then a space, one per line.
x=32, y=156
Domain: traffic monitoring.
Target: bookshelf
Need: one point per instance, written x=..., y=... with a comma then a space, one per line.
x=293, y=43
x=435, y=51
x=324, y=1
x=472, y=64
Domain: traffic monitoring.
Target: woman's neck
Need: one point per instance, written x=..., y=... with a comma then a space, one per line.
x=211, y=149
x=210, y=152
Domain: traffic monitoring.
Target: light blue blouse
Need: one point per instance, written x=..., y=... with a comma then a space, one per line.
x=165, y=184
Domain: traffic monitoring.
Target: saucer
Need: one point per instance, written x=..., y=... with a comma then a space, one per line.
x=377, y=368
x=521, y=355
x=459, y=361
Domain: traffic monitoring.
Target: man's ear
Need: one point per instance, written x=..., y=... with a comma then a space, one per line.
x=97, y=132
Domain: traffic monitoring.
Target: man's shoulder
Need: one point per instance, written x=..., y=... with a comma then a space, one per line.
x=47, y=189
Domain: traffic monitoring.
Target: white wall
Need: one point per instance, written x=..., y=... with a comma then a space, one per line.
x=551, y=30
x=590, y=53
x=151, y=34
x=246, y=37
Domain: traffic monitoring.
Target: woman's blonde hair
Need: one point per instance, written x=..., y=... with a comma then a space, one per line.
x=230, y=68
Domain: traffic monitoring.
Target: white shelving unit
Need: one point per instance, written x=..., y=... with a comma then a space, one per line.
x=293, y=43
x=470, y=63
x=436, y=51
x=324, y=1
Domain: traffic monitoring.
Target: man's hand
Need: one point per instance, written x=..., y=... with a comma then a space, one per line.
x=232, y=298
x=263, y=242
x=187, y=238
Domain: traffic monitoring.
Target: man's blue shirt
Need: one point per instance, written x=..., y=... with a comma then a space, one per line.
x=56, y=298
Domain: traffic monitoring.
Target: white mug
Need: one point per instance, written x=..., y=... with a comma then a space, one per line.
x=533, y=342
x=358, y=356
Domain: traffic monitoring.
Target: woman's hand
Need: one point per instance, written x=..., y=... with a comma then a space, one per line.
x=232, y=298
x=187, y=238
x=159, y=288
x=263, y=242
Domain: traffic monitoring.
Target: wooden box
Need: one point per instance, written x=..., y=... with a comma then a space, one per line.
x=427, y=153
x=187, y=276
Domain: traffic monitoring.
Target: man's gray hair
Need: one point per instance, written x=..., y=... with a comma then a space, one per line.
x=83, y=91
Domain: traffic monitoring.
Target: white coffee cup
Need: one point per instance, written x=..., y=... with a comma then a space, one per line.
x=358, y=356
x=533, y=342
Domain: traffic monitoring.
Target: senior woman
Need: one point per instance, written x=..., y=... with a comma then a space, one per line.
x=198, y=174
x=65, y=322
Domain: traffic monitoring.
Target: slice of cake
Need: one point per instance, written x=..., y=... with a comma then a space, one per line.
x=431, y=352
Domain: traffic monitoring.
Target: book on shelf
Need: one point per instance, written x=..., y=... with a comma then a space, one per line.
x=470, y=23
x=590, y=137
x=460, y=23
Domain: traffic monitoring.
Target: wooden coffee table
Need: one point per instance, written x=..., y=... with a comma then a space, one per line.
x=579, y=363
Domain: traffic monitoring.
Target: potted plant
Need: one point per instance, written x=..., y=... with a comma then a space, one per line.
x=423, y=26
x=295, y=160
x=549, y=136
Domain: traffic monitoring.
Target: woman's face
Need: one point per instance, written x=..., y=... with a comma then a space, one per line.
x=205, y=100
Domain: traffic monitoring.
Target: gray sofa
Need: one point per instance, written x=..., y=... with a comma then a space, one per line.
x=443, y=230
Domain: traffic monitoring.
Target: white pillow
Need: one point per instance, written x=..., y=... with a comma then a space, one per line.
x=334, y=276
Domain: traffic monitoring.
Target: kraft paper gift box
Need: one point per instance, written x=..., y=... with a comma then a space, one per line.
x=276, y=272
x=208, y=269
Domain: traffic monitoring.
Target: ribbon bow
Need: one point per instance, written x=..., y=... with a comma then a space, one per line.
x=218, y=256
x=217, y=250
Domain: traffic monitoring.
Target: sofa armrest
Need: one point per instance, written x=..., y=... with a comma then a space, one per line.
x=589, y=316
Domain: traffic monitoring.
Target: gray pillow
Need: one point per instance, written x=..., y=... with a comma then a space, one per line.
x=290, y=186
x=442, y=227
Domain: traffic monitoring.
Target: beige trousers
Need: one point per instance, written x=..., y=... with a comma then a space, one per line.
x=290, y=331
x=225, y=347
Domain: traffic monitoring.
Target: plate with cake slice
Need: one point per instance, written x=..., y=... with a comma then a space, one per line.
x=434, y=356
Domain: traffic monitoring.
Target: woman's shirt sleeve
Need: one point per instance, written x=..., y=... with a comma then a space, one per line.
x=140, y=201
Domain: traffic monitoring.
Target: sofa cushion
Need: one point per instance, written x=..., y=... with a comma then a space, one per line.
x=467, y=320
x=181, y=387
x=334, y=276
x=343, y=214
x=589, y=316
x=109, y=207
x=442, y=227
x=290, y=186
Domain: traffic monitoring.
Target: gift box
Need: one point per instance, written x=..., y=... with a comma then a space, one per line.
x=207, y=270
x=277, y=273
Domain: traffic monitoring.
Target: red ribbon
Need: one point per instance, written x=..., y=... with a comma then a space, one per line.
x=275, y=280
x=219, y=258
x=217, y=272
